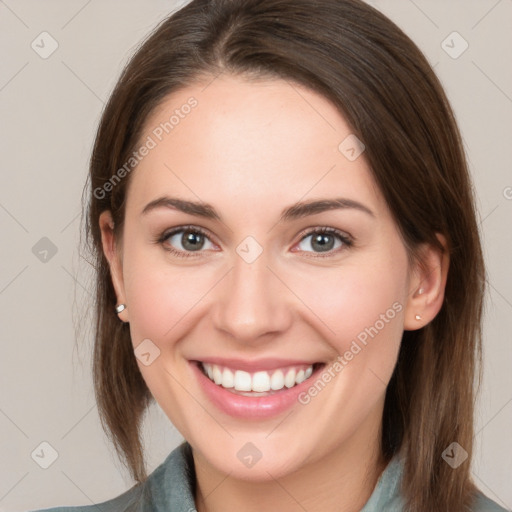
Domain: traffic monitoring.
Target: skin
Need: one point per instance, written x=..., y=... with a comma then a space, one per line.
x=250, y=149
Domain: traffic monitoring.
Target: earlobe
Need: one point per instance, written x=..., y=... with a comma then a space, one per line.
x=428, y=284
x=112, y=255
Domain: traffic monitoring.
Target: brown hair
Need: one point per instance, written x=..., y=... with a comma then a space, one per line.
x=382, y=84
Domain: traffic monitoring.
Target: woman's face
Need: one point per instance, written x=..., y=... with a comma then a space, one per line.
x=259, y=290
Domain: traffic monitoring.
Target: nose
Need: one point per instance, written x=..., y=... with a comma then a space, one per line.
x=253, y=302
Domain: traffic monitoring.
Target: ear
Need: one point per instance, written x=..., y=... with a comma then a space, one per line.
x=113, y=256
x=427, y=286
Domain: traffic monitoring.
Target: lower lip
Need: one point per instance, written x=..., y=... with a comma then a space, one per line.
x=256, y=407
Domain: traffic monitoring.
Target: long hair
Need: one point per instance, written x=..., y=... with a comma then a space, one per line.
x=382, y=84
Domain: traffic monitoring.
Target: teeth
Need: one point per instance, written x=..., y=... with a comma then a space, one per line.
x=259, y=382
x=289, y=380
x=277, y=380
x=242, y=381
x=228, y=379
x=217, y=375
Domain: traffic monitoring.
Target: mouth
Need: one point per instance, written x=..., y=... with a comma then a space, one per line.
x=258, y=383
x=255, y=399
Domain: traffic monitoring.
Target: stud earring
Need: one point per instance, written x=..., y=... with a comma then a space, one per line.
x=420, y=291
x=418, y=317
x=120, y=308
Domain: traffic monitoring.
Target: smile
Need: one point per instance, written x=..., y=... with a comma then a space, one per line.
x=242, y=399
x=258, y=382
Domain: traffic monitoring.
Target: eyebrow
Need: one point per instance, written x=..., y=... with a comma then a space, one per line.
x=295, y=211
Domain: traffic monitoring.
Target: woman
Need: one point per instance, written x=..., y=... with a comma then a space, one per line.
x=284, y=228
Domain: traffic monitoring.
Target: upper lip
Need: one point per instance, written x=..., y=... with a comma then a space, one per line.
x=255, y=364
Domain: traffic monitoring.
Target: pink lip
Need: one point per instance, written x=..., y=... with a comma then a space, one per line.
x=256, y=365
x=250, y=407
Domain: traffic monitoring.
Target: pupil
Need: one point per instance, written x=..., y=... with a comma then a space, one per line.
x=322, y=240
x=192, y=240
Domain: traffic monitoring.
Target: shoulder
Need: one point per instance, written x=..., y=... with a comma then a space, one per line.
x=171, y=483
x=485, y=504
x=126, y=502
x=387, y=495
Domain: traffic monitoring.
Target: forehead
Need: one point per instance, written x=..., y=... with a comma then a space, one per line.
x=238, y=142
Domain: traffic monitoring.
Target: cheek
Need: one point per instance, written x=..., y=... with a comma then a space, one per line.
x=161, y=302
x=159, y=299
x=351, y=301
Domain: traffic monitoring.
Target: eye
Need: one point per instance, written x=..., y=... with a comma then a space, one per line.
x=323, y=240
x=185, y=241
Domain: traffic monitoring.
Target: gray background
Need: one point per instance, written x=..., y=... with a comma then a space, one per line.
x=49, y=110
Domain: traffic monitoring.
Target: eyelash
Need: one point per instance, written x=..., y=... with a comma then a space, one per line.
x=347, y=240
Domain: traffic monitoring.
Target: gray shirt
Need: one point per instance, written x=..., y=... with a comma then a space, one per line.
x=171, y=488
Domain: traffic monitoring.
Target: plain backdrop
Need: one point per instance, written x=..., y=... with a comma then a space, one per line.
x=49, y=109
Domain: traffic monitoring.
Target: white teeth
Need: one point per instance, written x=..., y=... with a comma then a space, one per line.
x=242, y=381
x=228, y=379
x=217, y=375
x=259, y=382
x=277, y=380
x=289, y=380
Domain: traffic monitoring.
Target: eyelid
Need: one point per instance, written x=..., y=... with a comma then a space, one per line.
x=172, y=231
x=311, y=230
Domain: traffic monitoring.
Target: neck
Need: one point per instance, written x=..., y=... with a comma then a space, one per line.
x=342, y=480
